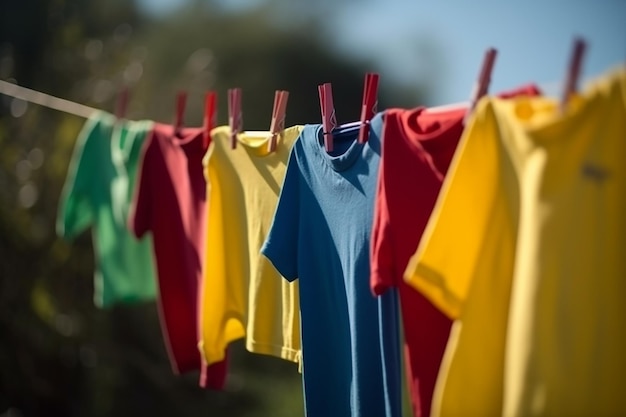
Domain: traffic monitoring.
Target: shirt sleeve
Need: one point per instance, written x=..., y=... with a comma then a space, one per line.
x=381, y=256
x=76, y=211
x=443, y=266
x=139, y=217
x=281, y=244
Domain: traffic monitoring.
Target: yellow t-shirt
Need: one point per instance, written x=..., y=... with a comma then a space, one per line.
x=523, y=250
x=566, y=342
x=464, y=264
x=242, y=294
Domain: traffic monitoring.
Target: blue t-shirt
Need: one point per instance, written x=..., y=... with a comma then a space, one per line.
x=321, y=235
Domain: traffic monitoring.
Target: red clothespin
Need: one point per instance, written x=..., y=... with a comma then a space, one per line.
x=122, y=104
x=369, y=106
x=278, y=117
x=484, y=79
x=234, y=115
x=573, y=71
x=181, y=101
x=329, y=120
x=210, y=117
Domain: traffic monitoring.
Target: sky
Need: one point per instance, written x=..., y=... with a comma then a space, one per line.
x=445, y=41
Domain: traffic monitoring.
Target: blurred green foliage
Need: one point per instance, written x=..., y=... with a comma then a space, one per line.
x=59, y=355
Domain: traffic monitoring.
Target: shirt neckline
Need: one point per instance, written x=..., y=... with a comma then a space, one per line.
x=347, y=158
x=128, y=130
x=440, y=124
x=538, y=115
x=256, y=142
x=189, y=139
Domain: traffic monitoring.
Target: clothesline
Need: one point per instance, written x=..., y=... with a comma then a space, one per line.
x=45, y=100
x=81, y=110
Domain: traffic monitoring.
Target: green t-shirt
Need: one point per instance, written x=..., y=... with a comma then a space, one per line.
x=97, y=192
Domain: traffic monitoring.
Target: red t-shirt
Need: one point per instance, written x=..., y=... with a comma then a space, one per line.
x=416, y=152
x=170, y=202
x=417, y=149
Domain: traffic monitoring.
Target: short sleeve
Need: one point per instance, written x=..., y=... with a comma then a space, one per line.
x=443, y=265
x=281, y=243
x=76, y=211
x=381, y=257
x=139, y=218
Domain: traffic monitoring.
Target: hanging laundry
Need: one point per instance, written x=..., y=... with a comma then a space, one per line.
x=416, y=152
x=242, y=294
x=419, y=145
x=566, y=334
x=519, y=251
x=170, y=202
x=464, y=265
x=97, y=193
x=320, y=235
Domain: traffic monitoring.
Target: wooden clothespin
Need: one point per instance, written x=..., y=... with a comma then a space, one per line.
x=210, y=117
x=278, y=117
x=369, y=105
x=181, y=101
x=122, y=104
x=235, y=120
x=484, y=79
x=329, y=120
x=573, y=71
